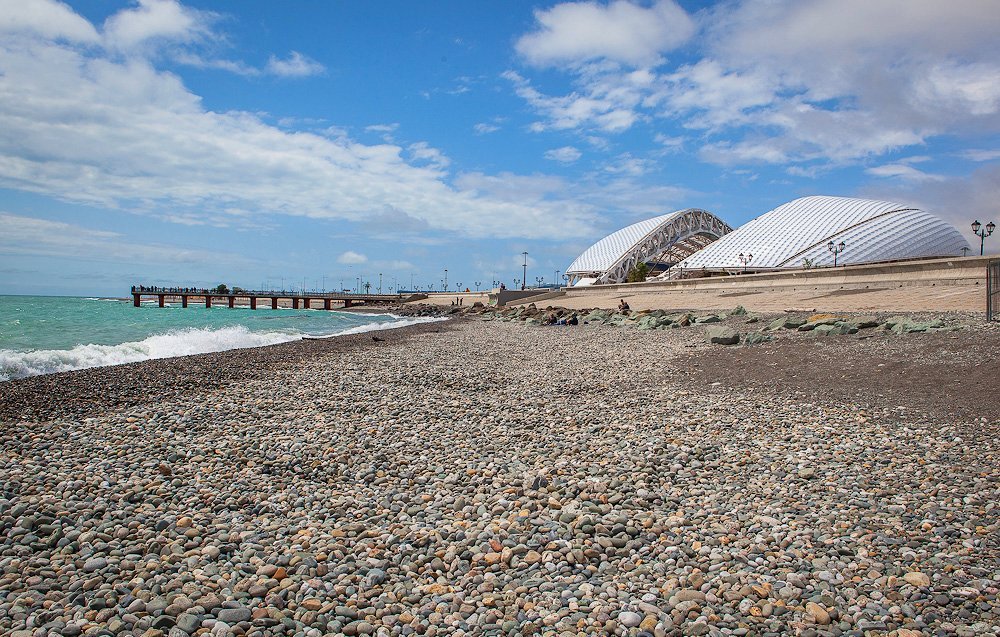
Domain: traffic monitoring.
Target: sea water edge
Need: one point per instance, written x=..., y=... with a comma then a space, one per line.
x=45, y=334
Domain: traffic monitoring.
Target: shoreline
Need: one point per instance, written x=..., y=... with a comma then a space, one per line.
x=47, y=396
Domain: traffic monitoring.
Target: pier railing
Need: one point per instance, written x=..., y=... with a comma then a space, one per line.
x=297, y=298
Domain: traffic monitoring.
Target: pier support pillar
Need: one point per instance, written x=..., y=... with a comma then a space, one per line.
x=274, y=302
x=326, y=304
x=253, y=302
x=208, y=300
x=347, y=302
x=295, y=303
x=184, y=301
x=306, y=303
x=232, y=302
x=135, y=300
x=159, y=299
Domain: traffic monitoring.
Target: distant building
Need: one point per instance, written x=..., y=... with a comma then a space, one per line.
x=794, y=235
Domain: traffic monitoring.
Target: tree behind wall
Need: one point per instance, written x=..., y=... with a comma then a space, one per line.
x=638, y=274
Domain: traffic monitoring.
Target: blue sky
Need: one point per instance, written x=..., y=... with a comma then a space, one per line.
x=260, y=143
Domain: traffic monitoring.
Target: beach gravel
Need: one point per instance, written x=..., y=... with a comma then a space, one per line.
x=489, y=478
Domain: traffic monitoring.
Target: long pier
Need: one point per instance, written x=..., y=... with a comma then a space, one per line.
x=298, y=299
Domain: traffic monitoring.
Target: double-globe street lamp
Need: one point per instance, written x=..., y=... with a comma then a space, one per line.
x=745, y=259
x=982, y=232
x=836, y=249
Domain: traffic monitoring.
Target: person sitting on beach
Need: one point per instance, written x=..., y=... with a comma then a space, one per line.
x=573, y=320
x=623, y=306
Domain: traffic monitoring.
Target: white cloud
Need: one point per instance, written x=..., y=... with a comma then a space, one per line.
x=577, y=32
x=902, y=171
x=382, y=128
x=352, y=258
x=979, y=154
x=295, y=65
x=47, y=18
x=483, y=128
x=109, y=129
x=784, y=81
x=565, y=154
x=152, y=20
x=30, y=236
x=423, y=152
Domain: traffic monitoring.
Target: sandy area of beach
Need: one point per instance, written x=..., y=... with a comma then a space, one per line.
x=477, y=477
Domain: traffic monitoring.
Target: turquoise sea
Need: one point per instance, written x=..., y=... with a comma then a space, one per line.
x=46, y=334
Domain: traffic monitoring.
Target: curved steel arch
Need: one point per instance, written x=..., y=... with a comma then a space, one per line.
x=683, y=234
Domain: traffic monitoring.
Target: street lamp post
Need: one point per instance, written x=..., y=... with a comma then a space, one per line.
x=517, y=282
x=982, y=232
x=478, y=283
x=538, y=281
x=745, y=259
x=524, y=275
x=557, y=278
x=565, y=279
x=380, y=283
x=836, y=249
x=445, y=286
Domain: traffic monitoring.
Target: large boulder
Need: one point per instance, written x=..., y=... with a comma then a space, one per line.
x=786, y=322
x=756, y=338
x=722, y=335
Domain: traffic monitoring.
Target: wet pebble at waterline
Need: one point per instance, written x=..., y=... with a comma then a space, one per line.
x=497, y=479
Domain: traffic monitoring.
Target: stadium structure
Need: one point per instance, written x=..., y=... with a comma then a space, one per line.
x=660, y=242
x=797, y=234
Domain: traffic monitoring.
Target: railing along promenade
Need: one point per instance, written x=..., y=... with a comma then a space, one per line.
x=301, y=298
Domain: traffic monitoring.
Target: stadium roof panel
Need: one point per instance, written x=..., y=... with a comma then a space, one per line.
x=798, y=232
x=678, y=234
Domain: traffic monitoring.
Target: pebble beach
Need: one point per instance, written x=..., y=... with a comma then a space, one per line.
x=489, y=478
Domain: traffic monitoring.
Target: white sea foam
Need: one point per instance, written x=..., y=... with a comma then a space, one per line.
x=371, y=327
x=15, y=364
x=174, y=343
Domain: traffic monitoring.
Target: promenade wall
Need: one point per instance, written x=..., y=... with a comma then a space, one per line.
x=924, y=285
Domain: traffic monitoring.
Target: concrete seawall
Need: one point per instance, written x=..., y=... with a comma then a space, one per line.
x=925, y=285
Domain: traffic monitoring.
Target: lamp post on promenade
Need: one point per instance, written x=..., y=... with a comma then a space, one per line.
x=478, y=283
x=745, y=259
x=557, y=278
x=565, y=279
x=982, y=232
x=836, y=249
x=380, y=283
x=538, y=281
x=524, y=274
x=517, y=282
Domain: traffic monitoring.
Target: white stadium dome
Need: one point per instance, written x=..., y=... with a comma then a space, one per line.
x=667, y=238
x=797, y=233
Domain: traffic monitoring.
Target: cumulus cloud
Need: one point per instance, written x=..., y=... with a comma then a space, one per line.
x=46, y=18
x=91, y=126
x=785, y=81
x=565, y=154
x=352, y=258
x=577, y=32
x=153, y=20
x=295, y=65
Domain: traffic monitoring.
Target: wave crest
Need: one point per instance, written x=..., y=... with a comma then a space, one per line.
x=174, y=343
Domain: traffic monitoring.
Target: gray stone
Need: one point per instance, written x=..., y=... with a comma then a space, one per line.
x=189, y=622
x=233, y=615
x=722, y=335
x=629, y=619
